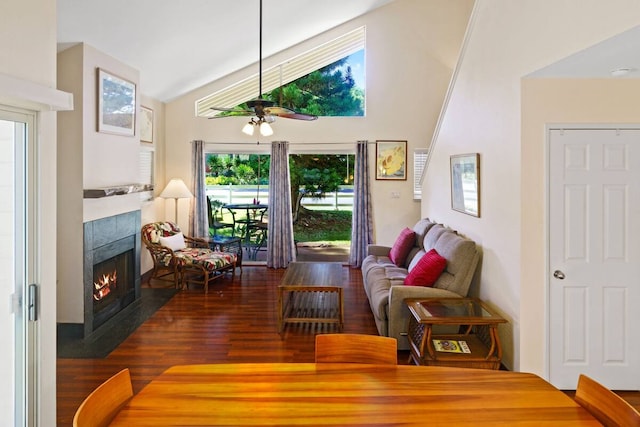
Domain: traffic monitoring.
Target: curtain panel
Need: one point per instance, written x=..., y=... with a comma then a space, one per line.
x=280, y=243
x=361, y=222
x=198, y=219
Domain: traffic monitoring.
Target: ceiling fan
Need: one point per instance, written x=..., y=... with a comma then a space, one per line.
x=263, y=110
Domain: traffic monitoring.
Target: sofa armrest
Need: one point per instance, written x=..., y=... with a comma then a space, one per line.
x=399, y=312
x=378, y=250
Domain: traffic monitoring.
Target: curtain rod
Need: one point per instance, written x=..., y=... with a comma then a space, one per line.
x=291, y=143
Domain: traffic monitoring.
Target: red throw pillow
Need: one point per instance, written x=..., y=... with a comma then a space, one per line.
x=427, y=270
x=401, y=248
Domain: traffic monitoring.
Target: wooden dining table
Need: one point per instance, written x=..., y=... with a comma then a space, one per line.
x=347, y=394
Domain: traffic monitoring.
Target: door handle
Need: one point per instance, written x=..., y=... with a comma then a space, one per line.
x=558, y=275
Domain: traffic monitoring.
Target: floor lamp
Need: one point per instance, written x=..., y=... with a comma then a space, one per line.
x=176, y=189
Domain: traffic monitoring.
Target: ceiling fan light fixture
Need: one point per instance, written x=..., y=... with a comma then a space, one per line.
x=265, y=129
x=264, y=111
x=248, y=128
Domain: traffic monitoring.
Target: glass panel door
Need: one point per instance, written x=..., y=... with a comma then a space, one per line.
x=17, y=268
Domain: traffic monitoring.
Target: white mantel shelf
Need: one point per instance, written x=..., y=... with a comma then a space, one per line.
x=96, y=193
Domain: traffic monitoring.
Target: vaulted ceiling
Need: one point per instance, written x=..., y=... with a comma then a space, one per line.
x=180, y=45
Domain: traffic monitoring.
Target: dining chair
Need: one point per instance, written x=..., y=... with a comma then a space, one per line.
x=102, y=405
x=356, y=348
x=606, y=406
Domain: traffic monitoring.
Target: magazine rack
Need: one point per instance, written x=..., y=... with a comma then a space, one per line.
x=476, y=345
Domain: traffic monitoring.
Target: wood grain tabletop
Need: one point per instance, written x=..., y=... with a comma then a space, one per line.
x=286, y=394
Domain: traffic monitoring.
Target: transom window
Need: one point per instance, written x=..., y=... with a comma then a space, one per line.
x=326, y=81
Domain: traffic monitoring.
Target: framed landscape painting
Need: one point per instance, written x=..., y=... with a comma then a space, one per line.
x=391, y=160
x=116, y=104
x=465, y=183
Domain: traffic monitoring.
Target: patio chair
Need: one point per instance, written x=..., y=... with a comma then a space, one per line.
x=189, y=259
x=213, y=209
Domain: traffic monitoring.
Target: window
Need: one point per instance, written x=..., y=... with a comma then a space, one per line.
x=146, y=171
x=419, y=162
x=349, y=46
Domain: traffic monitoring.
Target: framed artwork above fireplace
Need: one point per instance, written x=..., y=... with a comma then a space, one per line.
x=116, y=104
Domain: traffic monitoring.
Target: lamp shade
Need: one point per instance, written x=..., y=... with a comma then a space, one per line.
x=176, y=189
x=248, y=129
x=265, y=129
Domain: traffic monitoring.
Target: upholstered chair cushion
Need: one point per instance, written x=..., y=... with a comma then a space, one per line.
x=207, y=258
x=153, y=231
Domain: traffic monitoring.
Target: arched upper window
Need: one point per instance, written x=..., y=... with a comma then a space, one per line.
x=325, y=81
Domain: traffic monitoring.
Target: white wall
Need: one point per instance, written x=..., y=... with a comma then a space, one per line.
x=544, y=102
x=411, y=48
x=154, y=210
x=28, y=51
x=508, y=41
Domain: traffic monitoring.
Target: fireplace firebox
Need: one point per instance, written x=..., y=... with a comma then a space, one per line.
x=113, y=286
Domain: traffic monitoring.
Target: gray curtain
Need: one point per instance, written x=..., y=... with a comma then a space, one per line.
x=361, y=222
x=280, y=244
x=198, y=219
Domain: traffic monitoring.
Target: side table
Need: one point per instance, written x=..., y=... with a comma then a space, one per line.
x=227, y=244
x=476, y=345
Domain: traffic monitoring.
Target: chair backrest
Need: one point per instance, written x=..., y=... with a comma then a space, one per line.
x=151, y=232
x=356, y=348
x=103, y=404
x=210, y=212
x=606, y=406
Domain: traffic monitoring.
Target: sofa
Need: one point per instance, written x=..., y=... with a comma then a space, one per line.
x=384, y=279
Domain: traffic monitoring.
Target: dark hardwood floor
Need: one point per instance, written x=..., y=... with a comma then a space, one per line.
x=235, y=322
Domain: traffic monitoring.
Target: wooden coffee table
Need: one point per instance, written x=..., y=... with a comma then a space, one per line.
x=311, y=292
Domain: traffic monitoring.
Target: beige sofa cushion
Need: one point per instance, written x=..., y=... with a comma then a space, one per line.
x=461, y=255
x=421, y=229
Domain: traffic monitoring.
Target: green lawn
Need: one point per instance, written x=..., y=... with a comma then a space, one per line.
x=323, y=226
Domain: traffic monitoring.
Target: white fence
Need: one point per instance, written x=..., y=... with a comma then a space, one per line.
x=341, y=200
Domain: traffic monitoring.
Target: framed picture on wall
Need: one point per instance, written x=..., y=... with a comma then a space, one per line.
x=116, y=104
x=146, y=124
x=465, y=183
x=391, y=160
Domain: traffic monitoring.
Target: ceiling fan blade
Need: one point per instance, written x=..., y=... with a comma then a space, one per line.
x=231, y=110
x=233, y=114
x=289, y=114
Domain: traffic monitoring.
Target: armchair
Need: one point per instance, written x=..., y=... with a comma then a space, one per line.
x=188, y=259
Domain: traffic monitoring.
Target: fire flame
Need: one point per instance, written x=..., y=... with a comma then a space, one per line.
x=103, y=286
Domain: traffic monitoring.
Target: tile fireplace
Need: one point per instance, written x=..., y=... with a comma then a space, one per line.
x=111, y=268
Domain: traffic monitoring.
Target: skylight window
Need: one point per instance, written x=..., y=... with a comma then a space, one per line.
x=347, y=51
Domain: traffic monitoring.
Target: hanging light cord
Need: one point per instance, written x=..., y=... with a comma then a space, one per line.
x=260, y=53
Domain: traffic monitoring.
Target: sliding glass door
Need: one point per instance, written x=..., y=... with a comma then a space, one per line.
x=17, y=268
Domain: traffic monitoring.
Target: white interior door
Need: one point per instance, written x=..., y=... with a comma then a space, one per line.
x=594, y=257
